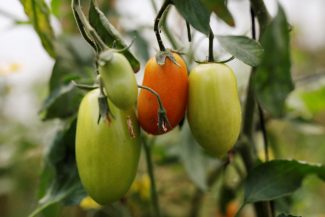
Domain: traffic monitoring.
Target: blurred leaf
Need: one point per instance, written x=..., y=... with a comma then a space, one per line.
x=109, y=34
x=55, y=7
x=65, y=186
x=277, y=178
x=314, y=101
x=55, y=95
x=195, y=14
x=74, y=58
x=191, y=155
x=287, y=215
x=272, y=80
x=220, y=8
x=245, y=49
x=39, y=15
x=283, y=204
x=140, y=44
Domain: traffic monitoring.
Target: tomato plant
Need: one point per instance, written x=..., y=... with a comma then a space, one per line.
x=171, y=83
x=97, y=156
x=119, y=81
x=107, y=157
x=213, y=112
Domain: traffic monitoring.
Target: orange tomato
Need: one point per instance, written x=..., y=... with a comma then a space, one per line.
x=171, y=83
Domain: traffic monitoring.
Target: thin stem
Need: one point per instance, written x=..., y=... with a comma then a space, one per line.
x=211, y=37
x=188, y=32
x=152, y=91
x=89, y=29
x=154, y=196
x=240, y=209
x=162, y=115
x=266, y=204
x=163, y=24
x=156, y=29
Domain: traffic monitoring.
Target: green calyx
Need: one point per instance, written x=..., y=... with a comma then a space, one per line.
x=107, y=54
x=161, y=56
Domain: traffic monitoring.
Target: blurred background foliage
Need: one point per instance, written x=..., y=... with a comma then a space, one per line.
x=181, y=174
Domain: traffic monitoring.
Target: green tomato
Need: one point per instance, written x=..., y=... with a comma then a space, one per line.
x=119, y=81
x=213, y=107
x=107, y=157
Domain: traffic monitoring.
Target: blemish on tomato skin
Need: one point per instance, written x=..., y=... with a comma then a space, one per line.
x=152, y=120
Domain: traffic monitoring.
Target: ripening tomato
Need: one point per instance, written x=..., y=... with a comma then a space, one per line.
x=171, y=83
x=107, y=157
x=213, y=109
x=119, y=81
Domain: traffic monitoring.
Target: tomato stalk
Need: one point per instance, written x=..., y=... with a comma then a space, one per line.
x=156, y=29
x=153, y=192
x=245, y=148
x=188, y=32
x=162, y=116
x=211, y=37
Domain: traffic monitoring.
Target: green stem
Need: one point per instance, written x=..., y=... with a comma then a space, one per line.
x=211, y=37
x=156, y=29
x=162, y=116
x=188, y=32
x=163, y=24
x=85, y=24
x=154, y=196
x=240, y=209
x=263, y=18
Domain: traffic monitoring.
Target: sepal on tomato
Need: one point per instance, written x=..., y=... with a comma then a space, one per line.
x=161, y=57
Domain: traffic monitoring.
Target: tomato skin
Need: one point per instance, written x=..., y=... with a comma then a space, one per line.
x=119, y=81
x=213, y=111
x=171, y=83
x=107, y=157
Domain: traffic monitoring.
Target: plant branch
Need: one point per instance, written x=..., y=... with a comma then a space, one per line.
x=156, y=29
x=154, y=196
x=211, y=37
x=188, y=32
x=163, y=24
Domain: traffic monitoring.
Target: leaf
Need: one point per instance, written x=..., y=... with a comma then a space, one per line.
x=65, y=185
x=245, y=49
x=314, y=100
x=191, y=154
x=272, y=80
x=195, y=14
x=285, y=215
x=220, y=8
x=109, y=34
x=277, y=178
x=39, y=15
x=74, y=57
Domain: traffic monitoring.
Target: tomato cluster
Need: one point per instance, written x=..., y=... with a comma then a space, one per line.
x=108, y=154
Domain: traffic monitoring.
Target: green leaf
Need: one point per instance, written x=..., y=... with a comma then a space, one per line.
x=245, y=49
x=314, y=100
x=272, y=80
x=220, y=8
x=285, y=215
x=277, y=178
x=195, y=14
x=191, y=154
x=39, y=14
x=74, y=57
x=65, y=185
x=109, y=34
